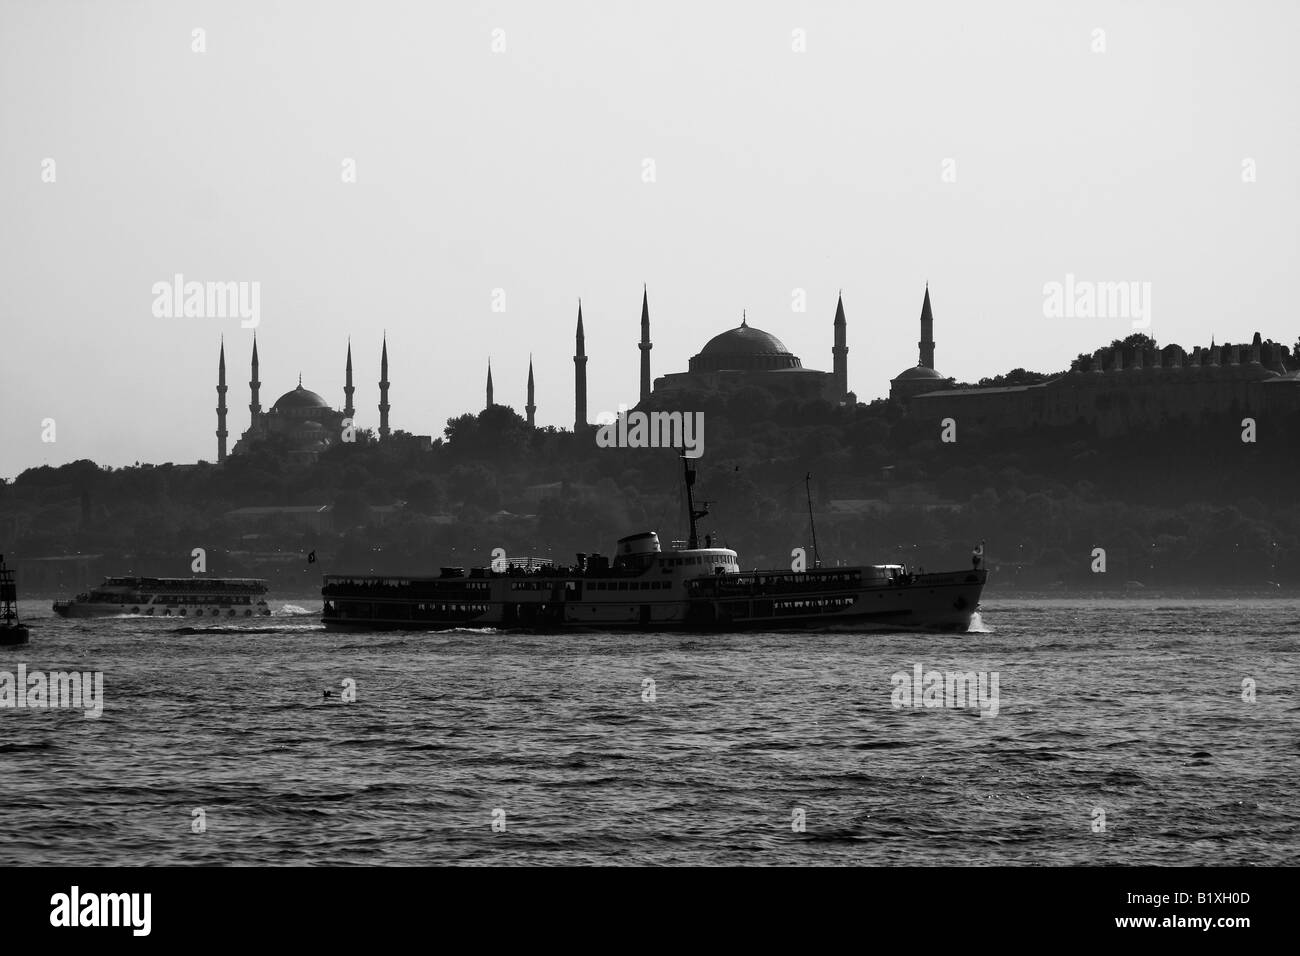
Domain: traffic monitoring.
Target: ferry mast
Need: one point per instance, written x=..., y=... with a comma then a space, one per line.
x=694, y=541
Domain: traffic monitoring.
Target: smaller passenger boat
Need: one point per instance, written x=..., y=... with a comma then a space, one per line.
x=224, y=598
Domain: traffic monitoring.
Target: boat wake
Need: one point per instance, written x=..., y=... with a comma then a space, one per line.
x=220, y=629
x=293, y=610
x=977, y=625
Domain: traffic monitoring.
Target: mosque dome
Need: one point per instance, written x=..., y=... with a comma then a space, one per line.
x=916, y=373
x=744, y=348
x=299, y=399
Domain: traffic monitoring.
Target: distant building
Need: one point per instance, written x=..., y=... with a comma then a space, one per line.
x=302, y=418
x=746, y=357
x=922, y=378
x=1120, y=388
x=301, y=421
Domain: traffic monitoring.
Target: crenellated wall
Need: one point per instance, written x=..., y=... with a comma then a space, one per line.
x=1139, y=387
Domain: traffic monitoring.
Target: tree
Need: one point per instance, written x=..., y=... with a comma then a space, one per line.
x=1136, y=339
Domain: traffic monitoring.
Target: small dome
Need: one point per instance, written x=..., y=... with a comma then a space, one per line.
x=299, y=398
x=917, y=372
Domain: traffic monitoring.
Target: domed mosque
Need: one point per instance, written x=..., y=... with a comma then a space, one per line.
x=746, y=356
x=921, y=378
x=301, y=420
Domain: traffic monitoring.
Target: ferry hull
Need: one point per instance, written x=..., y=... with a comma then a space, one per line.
x=87, y=609
x=933, y=602
x=72, y=609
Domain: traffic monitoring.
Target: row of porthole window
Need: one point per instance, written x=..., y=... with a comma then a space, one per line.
x=199, y=613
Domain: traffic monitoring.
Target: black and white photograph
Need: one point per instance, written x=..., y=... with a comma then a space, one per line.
x=804, y=435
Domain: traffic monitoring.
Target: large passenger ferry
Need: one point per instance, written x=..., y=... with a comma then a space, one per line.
x=170, y=597
x=644, y=587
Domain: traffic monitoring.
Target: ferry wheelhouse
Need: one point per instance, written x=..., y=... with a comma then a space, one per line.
x=170, y=597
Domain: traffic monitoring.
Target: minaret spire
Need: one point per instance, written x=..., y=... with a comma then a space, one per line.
x=221, y=403
x=348, y=410
x=840, y=352
x=383, y=391
x=254, y=406
x=580, y=378
x=645, y=345
x=531, y=407
x=927, y=332
x=489, y=386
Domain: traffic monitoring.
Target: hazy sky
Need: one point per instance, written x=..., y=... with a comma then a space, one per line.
x=524, y=170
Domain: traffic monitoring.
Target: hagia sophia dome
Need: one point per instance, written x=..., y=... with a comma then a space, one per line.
x=746, y=356
x=744, y=348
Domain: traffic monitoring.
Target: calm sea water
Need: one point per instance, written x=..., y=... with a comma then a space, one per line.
x=1131, y=708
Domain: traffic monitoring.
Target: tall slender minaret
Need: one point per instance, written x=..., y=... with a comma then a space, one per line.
x=254, y=406
x=221, y=404
x=580, y=378
x=531, y=407
x=927, y=332
x=348, y=410
x=840, y=353
x=645, y=345
x=489, y=386
x=383, y=391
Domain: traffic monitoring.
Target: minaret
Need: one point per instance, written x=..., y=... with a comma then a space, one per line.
x=927, y=332
x=840, y=353
x=531, y=408
x=221, y=405
x=645, y=345
x=489, y=386
x=348, y=411
x=383, y=391
x=580, y=378
x=254, y=407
